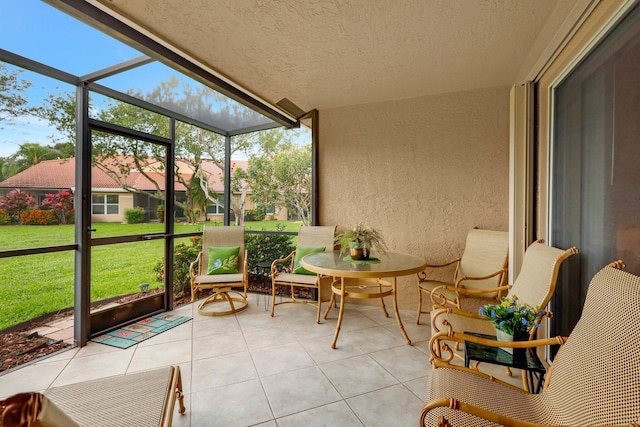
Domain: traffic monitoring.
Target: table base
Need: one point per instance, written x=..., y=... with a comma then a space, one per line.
x=363, y=289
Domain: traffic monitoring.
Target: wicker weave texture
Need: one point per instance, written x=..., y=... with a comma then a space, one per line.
x=135, y=400
x=596, y=374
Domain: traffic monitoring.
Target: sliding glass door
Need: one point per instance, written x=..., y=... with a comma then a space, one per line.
x=595, y=157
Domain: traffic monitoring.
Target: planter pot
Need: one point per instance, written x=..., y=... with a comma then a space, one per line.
x=357, y=253
x=505, y=337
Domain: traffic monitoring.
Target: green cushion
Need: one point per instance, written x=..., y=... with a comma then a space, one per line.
x=223, y=260
x=301, y=251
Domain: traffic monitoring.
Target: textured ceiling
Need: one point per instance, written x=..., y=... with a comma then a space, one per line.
x=330, y=53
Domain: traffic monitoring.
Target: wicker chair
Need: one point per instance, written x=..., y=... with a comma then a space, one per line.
x=141, y=399
x=483, y=265
x=221, y=237
x=320, y=237
x=593, y=381
x=534, y=285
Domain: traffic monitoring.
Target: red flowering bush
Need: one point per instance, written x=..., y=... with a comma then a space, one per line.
x=61, y=204
x=15, y=202
x=37, y=217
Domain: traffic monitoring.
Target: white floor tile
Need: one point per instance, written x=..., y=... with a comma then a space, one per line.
x=334, y=414
x=218, y=345
x=241, y=404
x=164, y=354
x=297, y=391
x=35, y=377
x=357, y=375
x=405, y=363
x=95, y=366
x=222, y=370
x=265, y=337
x=278, y=359
x=392, y=406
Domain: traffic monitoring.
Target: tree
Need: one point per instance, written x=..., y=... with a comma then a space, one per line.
x=29, y=154
x=283, y=178
x=118, y=156
x=12, y=101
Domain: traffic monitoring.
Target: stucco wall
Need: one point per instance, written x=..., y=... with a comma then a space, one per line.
x=423, y=170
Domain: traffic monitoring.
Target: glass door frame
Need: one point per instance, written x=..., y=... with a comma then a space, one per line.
x=89, y=324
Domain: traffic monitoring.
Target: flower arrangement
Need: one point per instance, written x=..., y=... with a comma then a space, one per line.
x=361, y=238
x=511, y=316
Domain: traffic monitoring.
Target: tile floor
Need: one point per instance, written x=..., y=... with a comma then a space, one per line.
x=251, y=369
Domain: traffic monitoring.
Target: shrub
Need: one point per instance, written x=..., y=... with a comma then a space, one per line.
x=15, y=202
x=255, y=214
x=267, y=247
x=134, y=215
x=5, y=218
x=37, y=217
x=61, y=204
x=183, y=255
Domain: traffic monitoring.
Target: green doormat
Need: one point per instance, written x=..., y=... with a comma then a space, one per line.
x=143, y=329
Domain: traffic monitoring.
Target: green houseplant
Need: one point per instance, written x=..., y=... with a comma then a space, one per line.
x=360, y=241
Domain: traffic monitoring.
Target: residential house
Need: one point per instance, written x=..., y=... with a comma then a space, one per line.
x=110, y=198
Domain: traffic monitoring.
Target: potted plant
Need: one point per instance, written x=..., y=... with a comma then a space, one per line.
x=360, y=241
x=513, y=321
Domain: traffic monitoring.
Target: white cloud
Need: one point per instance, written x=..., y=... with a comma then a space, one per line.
x=25, y=129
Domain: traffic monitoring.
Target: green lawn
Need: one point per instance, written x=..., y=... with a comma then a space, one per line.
x=39, y=284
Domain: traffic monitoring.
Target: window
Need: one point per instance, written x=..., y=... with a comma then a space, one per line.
x=216, y=208
x=105, y=204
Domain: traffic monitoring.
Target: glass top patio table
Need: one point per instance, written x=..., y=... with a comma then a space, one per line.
x=391, y=264
x=363, y=279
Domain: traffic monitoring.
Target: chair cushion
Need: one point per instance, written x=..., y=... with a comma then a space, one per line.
x=302, y=251
x=220, y=278
x=297, y=278
x=223, y=260
x=430, y=285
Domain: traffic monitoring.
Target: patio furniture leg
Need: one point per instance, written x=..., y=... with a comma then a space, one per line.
x=332, y=301
x=395, y=308
x=384, y=309
x=342, y=300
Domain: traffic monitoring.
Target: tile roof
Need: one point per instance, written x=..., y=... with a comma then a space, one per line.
x=58, y=174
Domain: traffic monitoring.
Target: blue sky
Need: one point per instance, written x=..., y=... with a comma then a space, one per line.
x=40, y=32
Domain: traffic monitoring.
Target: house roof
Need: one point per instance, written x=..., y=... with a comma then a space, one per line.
x=329, y=54
x=58, y=174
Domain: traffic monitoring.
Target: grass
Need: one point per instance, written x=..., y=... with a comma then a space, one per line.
x=33, y=285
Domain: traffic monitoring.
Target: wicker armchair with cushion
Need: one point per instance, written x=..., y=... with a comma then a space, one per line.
x=221, y=266
x=310, y=239
x=593, y=381
x=534, y=285
x=482, y=267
